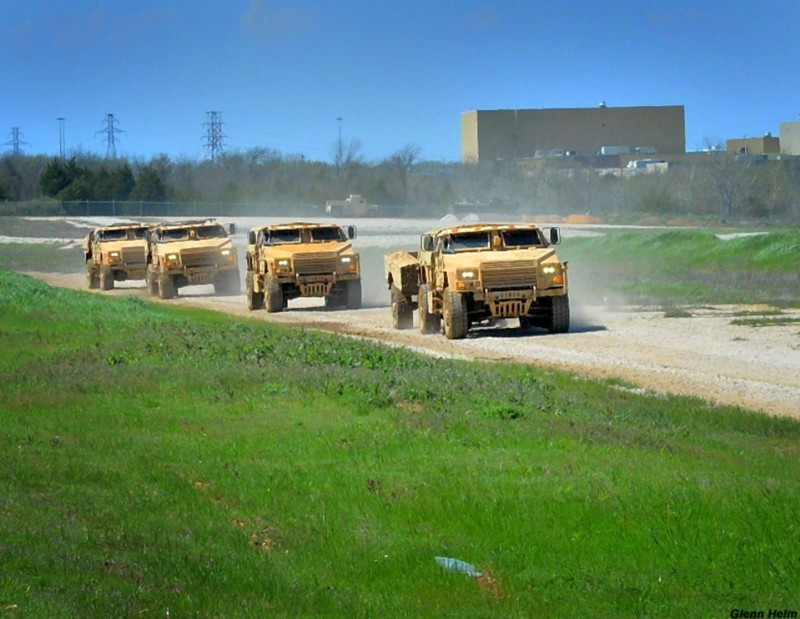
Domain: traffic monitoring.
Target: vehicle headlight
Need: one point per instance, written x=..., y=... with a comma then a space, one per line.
x=468, y=274
x=349, y=263
x=172, y=260
x=114, y=254
x=549, y=270
x=172, y=257
x=282, y=266
x=226, y=252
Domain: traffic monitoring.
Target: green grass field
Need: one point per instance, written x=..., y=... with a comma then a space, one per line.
x=686, y=266
x=158, y=460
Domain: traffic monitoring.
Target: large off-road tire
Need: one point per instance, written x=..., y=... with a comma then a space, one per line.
x=428, y=323
x=456, y=319
x=106, y=279
x=151, y=279
x=92, y=279
x=353, y=295
x=558, y=320
x=228, y=283
x=402, y=313
x=166, y=287
x=255, y=300
x=273, y=298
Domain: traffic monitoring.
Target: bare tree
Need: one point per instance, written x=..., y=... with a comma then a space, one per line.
x=401, y=162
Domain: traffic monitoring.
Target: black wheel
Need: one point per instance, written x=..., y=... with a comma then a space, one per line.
x=255, y=300
x=106, y=279
x=402, y=314
x=353, y=297
x=273, y=297
x=558, y=321
x=92, y=280
x=166, y=287
x=428, y=323
x=456, y=320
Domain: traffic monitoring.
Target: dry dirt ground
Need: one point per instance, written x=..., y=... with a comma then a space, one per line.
x=701, y=355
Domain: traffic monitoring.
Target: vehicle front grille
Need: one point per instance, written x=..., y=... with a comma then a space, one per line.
x=200, y=257
x=133, y=255
x=504, y=275
x=314, y=264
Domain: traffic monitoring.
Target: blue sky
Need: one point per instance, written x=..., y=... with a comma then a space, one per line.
x=397, y=73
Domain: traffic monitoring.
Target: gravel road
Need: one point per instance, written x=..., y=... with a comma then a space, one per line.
x=702, y=355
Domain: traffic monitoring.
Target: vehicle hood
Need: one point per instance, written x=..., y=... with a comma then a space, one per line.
x=288, y=250
x=109, y=246
x=476, y=258
x=177, y=246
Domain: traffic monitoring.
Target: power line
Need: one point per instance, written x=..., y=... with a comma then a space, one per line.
x=213, y=137
x=16, y=141
x=111, y=130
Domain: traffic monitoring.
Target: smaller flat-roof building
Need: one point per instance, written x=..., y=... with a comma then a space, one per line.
x=754, y=146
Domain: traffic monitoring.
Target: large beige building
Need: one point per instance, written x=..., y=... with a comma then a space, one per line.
x=490, y=135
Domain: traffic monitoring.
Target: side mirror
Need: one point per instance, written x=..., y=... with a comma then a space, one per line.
x=352, y=232
x=231, y=228
x=427, y=243
x=555, y=236
x=251, y=237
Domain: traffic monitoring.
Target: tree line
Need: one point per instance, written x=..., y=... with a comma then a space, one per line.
x=717, y=185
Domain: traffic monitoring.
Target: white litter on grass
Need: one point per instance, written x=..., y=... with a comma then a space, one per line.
x=456, y=565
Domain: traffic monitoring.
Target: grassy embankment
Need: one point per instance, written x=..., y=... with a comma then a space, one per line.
x=162, y=460
x=684, y=266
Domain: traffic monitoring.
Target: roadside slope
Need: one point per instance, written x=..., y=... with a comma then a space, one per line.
x=702, y=355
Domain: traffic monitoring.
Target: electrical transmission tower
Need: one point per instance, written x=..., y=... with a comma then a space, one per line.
x=213, y=137
x=16, y=141
x=111, y=130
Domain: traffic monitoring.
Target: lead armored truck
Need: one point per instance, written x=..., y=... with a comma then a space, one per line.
x=468, y=274
x=188, y=253
x=115, y=253
x=299, y=259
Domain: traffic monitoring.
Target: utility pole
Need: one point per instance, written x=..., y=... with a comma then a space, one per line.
x=16, y=141
x=62, y=141
x=111, y=130
x=213, y=137
x=339, y=149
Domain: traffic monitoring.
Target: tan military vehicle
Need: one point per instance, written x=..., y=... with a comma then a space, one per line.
x=297, y=259
x=188, y=253
x=115, y=253
x=480, y=272
x=355, y=205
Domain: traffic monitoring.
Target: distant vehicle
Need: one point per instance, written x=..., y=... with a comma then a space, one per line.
x=299, y=259
x=480, y=272
x=187, y=253
x=115, y=253
x=355, y=205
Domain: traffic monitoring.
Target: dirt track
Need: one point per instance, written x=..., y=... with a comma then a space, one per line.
x=703, y=355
